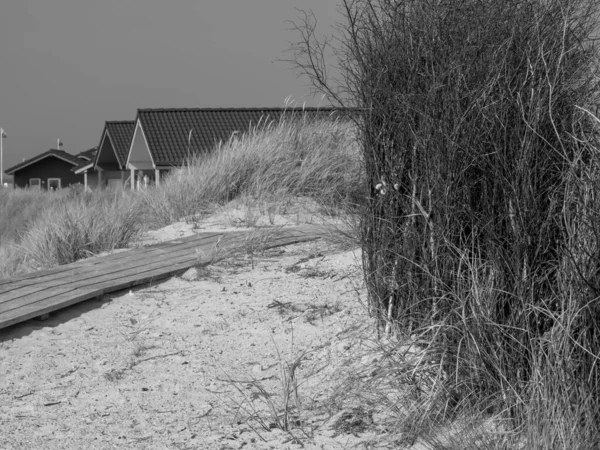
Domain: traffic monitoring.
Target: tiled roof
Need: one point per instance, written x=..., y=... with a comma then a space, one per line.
x=167, y=130
x=52, y=152
x=85, y=158
x=88, y=154
x=121, y=133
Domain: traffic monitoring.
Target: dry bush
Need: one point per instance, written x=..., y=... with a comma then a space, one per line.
x=480, y=237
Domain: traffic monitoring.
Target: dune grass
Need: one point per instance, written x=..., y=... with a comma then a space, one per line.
x=19, y=208
x=80, y=227
x=270, y=164
x=41, y=230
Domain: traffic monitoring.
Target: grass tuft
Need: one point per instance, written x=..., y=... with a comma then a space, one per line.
x=66, y=228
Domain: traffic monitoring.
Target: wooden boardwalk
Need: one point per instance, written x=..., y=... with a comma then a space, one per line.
x=39, y=293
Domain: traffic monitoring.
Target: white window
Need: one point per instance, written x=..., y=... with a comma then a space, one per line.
x=53, y=184
x=35, y=183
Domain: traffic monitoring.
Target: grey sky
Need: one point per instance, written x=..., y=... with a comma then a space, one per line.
x=66, y=66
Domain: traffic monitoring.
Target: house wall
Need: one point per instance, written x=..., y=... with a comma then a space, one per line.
x=50, y=167
x=109, y=177
x=92, y=179
x=139, y=155
x=107, y=159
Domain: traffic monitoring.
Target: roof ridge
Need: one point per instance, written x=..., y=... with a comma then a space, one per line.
x=120, y=121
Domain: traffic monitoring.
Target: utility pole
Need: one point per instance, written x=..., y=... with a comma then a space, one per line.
x=2, y=137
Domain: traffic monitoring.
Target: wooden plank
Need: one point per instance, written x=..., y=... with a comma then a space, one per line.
x=108, y=271
x=98, y=285
x=26, y=312
x=82, y=265
x=82, y=294
x=64, y=286
x=37, y=293
x=95, y=260
x=134, y=259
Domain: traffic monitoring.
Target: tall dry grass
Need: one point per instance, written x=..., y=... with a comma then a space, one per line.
x=272, y=162
x=80, y=227
x=19, y=208
x=49, y=229
x=481, y=236
x=480, y=239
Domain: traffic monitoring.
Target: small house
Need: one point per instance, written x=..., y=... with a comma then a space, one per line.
x=107, y=168
x=51, y=170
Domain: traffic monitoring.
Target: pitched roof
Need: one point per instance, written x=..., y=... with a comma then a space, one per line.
x=120, y=133
x=61, y=154
x=86, y=160
x=87, y=154
x=167, y=130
